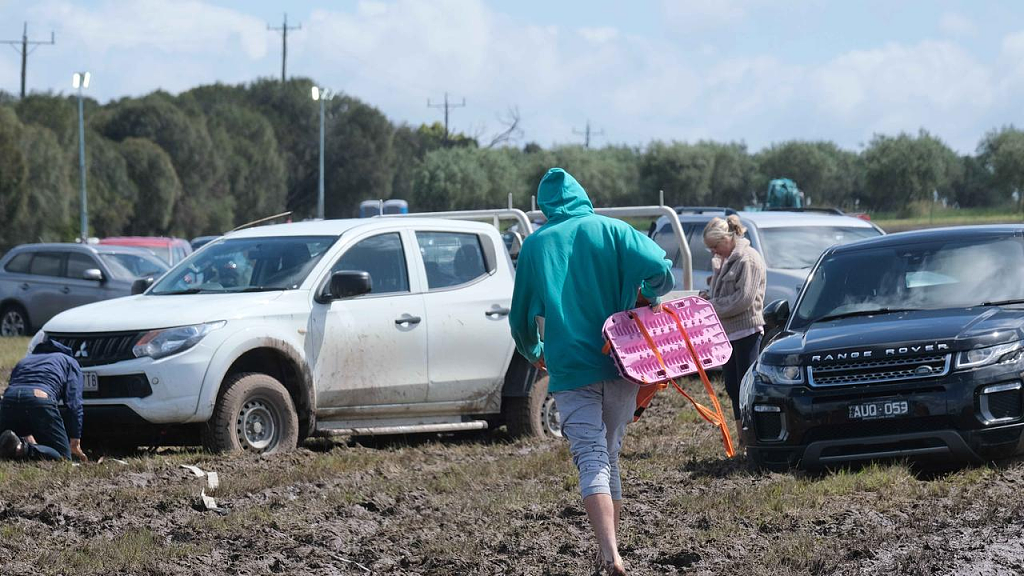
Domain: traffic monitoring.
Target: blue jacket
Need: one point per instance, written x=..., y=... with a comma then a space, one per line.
x=576, y=272
x=52, y=368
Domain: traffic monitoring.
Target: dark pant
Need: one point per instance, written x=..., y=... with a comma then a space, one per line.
x=744, y=353
x=25, y=414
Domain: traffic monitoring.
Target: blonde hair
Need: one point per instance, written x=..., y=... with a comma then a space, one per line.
x=719, y=229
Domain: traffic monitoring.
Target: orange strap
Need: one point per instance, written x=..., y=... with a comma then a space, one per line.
x=715, y=417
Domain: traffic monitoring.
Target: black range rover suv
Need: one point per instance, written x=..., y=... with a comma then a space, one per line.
x=903, y=346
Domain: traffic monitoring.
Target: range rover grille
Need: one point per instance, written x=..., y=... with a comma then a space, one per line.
x=878, y=371
x=100, y=348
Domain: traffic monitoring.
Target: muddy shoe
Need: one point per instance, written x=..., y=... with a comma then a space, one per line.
x=10, y=445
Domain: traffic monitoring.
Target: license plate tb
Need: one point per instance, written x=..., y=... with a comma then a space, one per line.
x=90, y=382
x=880, y=409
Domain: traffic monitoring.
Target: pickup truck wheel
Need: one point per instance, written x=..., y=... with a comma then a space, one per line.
x=254, y=414
x=533, y=415
x=13, y=321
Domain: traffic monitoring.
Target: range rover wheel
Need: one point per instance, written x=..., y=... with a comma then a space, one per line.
x=254, y=414
x=533, y=415
x=13, y=321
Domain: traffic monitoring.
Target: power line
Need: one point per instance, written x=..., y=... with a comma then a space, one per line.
x=24, y=51
x=284, y=41
x=447, y=106
x=587, y=134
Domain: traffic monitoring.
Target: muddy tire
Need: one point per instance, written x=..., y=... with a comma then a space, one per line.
x=14, y=321
x=254, y=414
x=533, y=415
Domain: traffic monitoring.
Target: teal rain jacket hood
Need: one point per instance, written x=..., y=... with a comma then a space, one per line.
x=575, y=272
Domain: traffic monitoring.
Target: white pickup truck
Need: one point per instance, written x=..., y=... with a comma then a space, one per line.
x=272, y=334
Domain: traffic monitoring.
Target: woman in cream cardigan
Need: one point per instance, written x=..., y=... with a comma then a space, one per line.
x=737, y=293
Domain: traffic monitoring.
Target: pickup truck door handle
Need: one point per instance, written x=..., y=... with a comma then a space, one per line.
x=497, y=312
x=65, y=290
x=408, y=320
x=24, y=286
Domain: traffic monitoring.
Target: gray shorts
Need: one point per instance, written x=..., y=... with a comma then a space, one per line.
x=594, y=421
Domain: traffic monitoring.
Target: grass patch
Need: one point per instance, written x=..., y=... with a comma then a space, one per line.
x=895, y=222
x=11, y=351
x=133, y=551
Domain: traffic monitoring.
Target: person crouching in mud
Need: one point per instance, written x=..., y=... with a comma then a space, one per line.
x=32, y=425
x=575, y=272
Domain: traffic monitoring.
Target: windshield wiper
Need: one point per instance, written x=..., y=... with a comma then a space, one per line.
x=865, y=313
x=260, y=289
x=1004, y=302
x=179, y=292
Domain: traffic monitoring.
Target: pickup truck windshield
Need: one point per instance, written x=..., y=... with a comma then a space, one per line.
x=246, y=265
x=798, y=247
x=926, y=276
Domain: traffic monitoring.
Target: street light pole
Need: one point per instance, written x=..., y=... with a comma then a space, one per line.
x=321, y=95
x=81, y=81
x=320, y=186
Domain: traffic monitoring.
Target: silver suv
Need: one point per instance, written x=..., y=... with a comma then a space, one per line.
x=39, y=281
x=789, y=240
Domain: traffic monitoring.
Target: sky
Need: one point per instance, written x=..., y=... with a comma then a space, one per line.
x=756, y=71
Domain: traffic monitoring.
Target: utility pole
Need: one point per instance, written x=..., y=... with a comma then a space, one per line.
x=587, y=134
x=24, y=51
x=284, y=41
x=446, y=105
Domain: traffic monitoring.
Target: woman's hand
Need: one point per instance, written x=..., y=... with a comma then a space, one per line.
x=76, y=449
x=540, y=365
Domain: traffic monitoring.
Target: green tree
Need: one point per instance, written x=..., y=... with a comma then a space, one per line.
x=1001, y=152
x=48, y=190
x=823, y=171
x=205, y=205
x=683, y=171
x=903, y=169
x=112, y=194
x=13, y=174
x=358, y=156
x=158, y=186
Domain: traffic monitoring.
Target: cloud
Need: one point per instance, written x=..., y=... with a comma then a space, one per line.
x=956, y=24
x=599, y=35
x=903, y=87
x=697, y=14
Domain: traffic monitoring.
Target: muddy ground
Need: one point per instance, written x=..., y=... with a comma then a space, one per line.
x=488, y=504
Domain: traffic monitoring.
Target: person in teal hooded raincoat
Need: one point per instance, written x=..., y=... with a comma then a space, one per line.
x=575, y=272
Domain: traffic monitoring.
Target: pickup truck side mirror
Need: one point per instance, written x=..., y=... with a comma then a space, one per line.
x=348, y=284
x=93, y=274
x=141, y=285
x=776, y=315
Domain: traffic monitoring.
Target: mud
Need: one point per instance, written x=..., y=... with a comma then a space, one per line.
x=488, y=504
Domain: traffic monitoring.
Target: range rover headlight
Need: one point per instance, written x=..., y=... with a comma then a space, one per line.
x=1001, y=354
x=160, y=343
x=780, y=375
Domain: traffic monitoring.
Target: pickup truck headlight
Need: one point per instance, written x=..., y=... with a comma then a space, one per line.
x=1001, y=354
x=160, y=343
x=780, y=375
x=39, y=337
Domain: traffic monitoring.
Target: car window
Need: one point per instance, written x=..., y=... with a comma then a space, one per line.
x=46, y=264
x=699, y=251
x=451, y=258
x=247, y=265
x=78, y=264
x=133, y=265
x=19, y=264
x=799, y=247
x=383, y=258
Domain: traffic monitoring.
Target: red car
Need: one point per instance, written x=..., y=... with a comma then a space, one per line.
x=170, y=250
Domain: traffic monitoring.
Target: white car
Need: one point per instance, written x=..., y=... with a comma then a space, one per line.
x=272, y=334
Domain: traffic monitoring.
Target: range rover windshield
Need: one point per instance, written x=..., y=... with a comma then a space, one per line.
x=926, y=276
x=246, y=265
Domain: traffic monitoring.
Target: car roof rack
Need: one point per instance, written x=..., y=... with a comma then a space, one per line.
x=835, y=211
